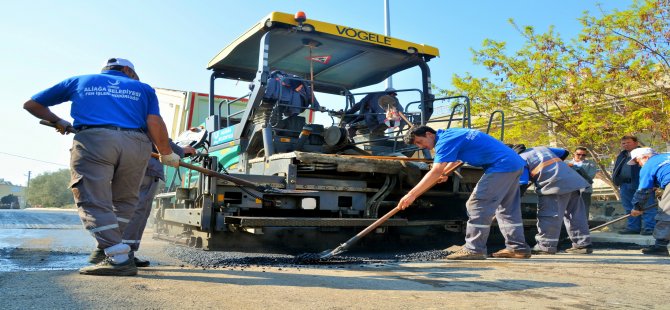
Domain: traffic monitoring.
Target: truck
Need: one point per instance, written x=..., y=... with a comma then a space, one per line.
x=280, y=179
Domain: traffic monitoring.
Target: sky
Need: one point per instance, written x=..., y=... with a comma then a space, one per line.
x=170, y=43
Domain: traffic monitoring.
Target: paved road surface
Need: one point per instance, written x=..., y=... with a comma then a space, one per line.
x=618, y=278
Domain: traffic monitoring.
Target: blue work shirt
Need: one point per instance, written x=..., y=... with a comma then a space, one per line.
x=654, y=173
x=108, y=98
x=477, y=149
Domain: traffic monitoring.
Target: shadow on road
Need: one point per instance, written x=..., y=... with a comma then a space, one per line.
x=387, y=280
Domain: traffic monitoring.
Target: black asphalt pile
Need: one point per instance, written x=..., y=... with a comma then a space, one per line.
x=422, y=256
x=225, y=259
x=333, y=260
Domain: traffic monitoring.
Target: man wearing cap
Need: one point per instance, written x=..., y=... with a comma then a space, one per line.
x=373, y=112
x=655, y=172
x=113, y=112
x=626, y=177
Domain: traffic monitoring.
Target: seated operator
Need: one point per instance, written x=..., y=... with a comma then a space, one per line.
x=373, y=110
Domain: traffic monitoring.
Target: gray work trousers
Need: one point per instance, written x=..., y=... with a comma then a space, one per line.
x=107, y=167
x=496, y=194
x=587, y=204
x=552, y=210
x=662, y=229
x=132, y=235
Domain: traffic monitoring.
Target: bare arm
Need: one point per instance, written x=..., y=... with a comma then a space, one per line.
x=428, y=180
x=431, y=178
x=40, y=111
x=158, y=134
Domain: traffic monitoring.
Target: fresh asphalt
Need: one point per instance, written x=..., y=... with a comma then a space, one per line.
x=54, y=239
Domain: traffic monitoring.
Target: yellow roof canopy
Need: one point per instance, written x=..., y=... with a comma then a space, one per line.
x=341, y=57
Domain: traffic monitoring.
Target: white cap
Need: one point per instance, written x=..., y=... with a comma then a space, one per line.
x=119, y=62
x=639, y=152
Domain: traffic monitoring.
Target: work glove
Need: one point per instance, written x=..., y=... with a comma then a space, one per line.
x=62, y=126
x=171, y=160
x=188, y=150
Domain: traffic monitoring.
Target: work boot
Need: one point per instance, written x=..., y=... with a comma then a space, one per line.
x=465, y=254
x=97, y=256
x=657, y=250
x=509, y=253
x=628, y=232
x=140, y=263
x=580, y=250
x=537, y=251
x=108, y=268
x=647, y=232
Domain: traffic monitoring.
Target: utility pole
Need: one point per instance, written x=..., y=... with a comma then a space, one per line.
x=387, y=32
x=25, y=193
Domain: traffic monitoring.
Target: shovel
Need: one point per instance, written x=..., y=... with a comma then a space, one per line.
x=315, y=257
x=404, y=118
x=611, y=222
x=241, y=182
x=238, y=181
x=620, y=218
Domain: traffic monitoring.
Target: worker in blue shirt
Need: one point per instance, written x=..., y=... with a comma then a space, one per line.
x=113, y=113
x=559, y=200
x=655, y=173
x=496, y=193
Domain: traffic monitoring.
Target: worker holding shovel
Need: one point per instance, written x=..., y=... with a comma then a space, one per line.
x=496, y=193
x=655, y=172
x=113, y=113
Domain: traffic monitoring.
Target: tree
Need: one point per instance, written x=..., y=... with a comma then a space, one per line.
x=632, y=48
x=612, y=81
x=50, y=189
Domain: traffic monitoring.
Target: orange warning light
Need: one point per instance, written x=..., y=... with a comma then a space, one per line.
x=300, y=17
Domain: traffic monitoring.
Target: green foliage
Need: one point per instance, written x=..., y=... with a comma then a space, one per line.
x=610, y=81
x=50, y=190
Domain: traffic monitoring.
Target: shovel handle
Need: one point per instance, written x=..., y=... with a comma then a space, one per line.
x=206, y=171
x=50, y=124
x=213, y=173
x=404, y=118
x=446, y=172
x=367, y=230
x=620, y=218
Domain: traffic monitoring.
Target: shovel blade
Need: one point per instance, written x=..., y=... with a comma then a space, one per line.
x=316, y=257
